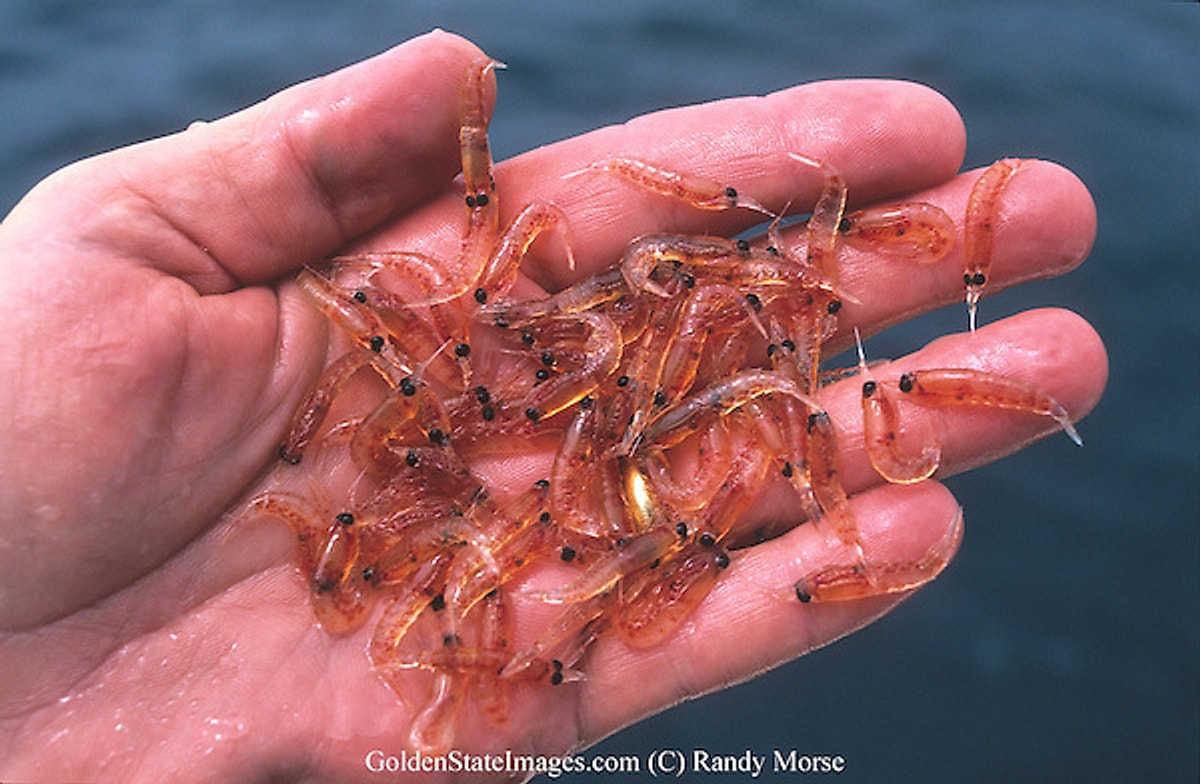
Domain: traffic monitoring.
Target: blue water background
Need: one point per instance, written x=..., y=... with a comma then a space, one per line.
x=1064, y=642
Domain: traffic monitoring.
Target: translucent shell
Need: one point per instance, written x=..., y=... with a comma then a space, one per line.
x=940, y=387
x=699, y=192
x=660, y=601
x=860, y=578
x=881, y=430
x=915, y=231
x=980, y=228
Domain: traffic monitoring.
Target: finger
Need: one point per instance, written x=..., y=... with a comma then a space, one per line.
x=1054, y=350
x=752, y=621
x=255, y=195
x=886, y=137
x=1044, y=227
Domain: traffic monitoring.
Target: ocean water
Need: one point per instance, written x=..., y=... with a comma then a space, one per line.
x=1064, y=642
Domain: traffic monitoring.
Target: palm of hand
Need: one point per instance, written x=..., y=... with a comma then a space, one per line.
x=155, y=360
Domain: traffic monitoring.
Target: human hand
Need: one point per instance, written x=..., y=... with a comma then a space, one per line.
x=154, y=349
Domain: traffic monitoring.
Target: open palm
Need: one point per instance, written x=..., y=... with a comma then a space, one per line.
x=154, y=348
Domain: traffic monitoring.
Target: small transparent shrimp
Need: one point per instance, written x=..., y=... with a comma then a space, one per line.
x=403, y=611
x=397, y=558
x=686, y=260
x=823, y=476
x=506, y=538
x=483, y=208
x=313, y=411
x=644, y=255
x=555, y=652
x=412, y=419
x=421, y=338
x=727, y=396
x=980, y=228
x=861, y=578
x=596, y=357
x=590, y=508
x=941, y=387
x=500, y=272
x=657, y=604
x=698, y=192
x=422, y=278
x=628, y=556
x=691, y=491
x=881, y=431
x=329, y=550
x=586, y=295
x=359, y=321
x=743, y=392
x=826, y=218
x=743, y=474
x=476, y=665
x=915, y=231
x=709, y=312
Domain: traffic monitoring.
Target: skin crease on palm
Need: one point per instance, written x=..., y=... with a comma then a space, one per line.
x=155, y=347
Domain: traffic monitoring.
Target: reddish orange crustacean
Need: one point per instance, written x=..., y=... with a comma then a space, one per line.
x=625, y=371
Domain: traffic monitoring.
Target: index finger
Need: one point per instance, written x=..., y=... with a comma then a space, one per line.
x=887, y=138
